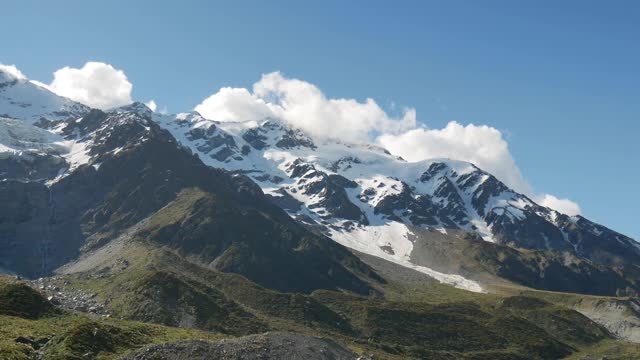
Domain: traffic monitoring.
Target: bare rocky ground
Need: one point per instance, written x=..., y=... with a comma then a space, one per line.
x=68, y=298
x=620, y=316
x=275, y=345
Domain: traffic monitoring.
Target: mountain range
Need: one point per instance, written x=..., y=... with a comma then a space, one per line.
x=237, y=228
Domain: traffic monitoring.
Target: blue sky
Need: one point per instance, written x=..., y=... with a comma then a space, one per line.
x=559, y=79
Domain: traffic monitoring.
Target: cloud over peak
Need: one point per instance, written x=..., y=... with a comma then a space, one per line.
x=234, y=104
x=12, y=71
x=96, y=84
x=303, y=105
x=151, y=104
x=481, y=145
x=564, y=206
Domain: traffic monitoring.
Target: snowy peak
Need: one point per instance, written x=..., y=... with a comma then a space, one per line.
x=136, y=107
x=25, y=100
x=275, y=134
x=51, y=150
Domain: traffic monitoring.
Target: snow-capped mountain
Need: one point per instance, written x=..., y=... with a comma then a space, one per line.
x=367, y=199
x=31, y=146
x=359, y=195
x=23, y=99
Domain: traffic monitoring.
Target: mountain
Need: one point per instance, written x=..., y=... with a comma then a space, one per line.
x=365, y=198
x=129, y=170
x=358, y=195
x=132, y=227
x=26, y=100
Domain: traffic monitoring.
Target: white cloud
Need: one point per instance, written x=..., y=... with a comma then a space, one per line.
x=13, y=71
x=96, y=84
x=151, y=104
x=234, y=104
x=303, y=105
x=482, y=145
x=564, y=206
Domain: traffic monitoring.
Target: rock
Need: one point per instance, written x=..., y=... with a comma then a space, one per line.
x=26, y=340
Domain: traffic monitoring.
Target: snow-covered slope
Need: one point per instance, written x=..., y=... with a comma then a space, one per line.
x=24, y=99
x=45, y=137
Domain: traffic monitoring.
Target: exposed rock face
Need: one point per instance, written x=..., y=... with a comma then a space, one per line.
x=36, y=233
x=265, y=346
x=328, y=189
x=255, y=138
x=31, y=167
x=419, y=210
x=294, y=138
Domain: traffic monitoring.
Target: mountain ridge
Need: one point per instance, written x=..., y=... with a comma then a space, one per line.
x=357, y=191
x=240, y=228
x=359, y=195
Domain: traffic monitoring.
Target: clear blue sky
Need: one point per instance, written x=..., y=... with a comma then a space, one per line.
x=560, y=78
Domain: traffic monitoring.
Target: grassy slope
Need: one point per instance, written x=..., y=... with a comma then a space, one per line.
x=72, y=336
x=158, y=275
x=433, y=320
x=69, y=336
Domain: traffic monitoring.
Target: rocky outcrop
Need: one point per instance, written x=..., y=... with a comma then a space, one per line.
x=327, y=190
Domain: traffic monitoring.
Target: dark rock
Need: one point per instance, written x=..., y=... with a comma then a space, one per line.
x=31, y=167
x=286, y=201
x=330, y=189
x=223, y=154
x=419, y=210
x=342, y=181
x=27, y=341
x=214, y=142
x=294, y=139
x=433, y=171
x=255, y=138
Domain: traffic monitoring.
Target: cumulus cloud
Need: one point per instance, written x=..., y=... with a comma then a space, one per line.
x=151, y=104
x=96, y=84
x=13, y=71
x=482, y=145
x=234, y=104
x=304, y=106
x=564, y=206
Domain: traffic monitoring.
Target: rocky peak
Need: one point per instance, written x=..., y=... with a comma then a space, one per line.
x=136, y=107
x=25, y=100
